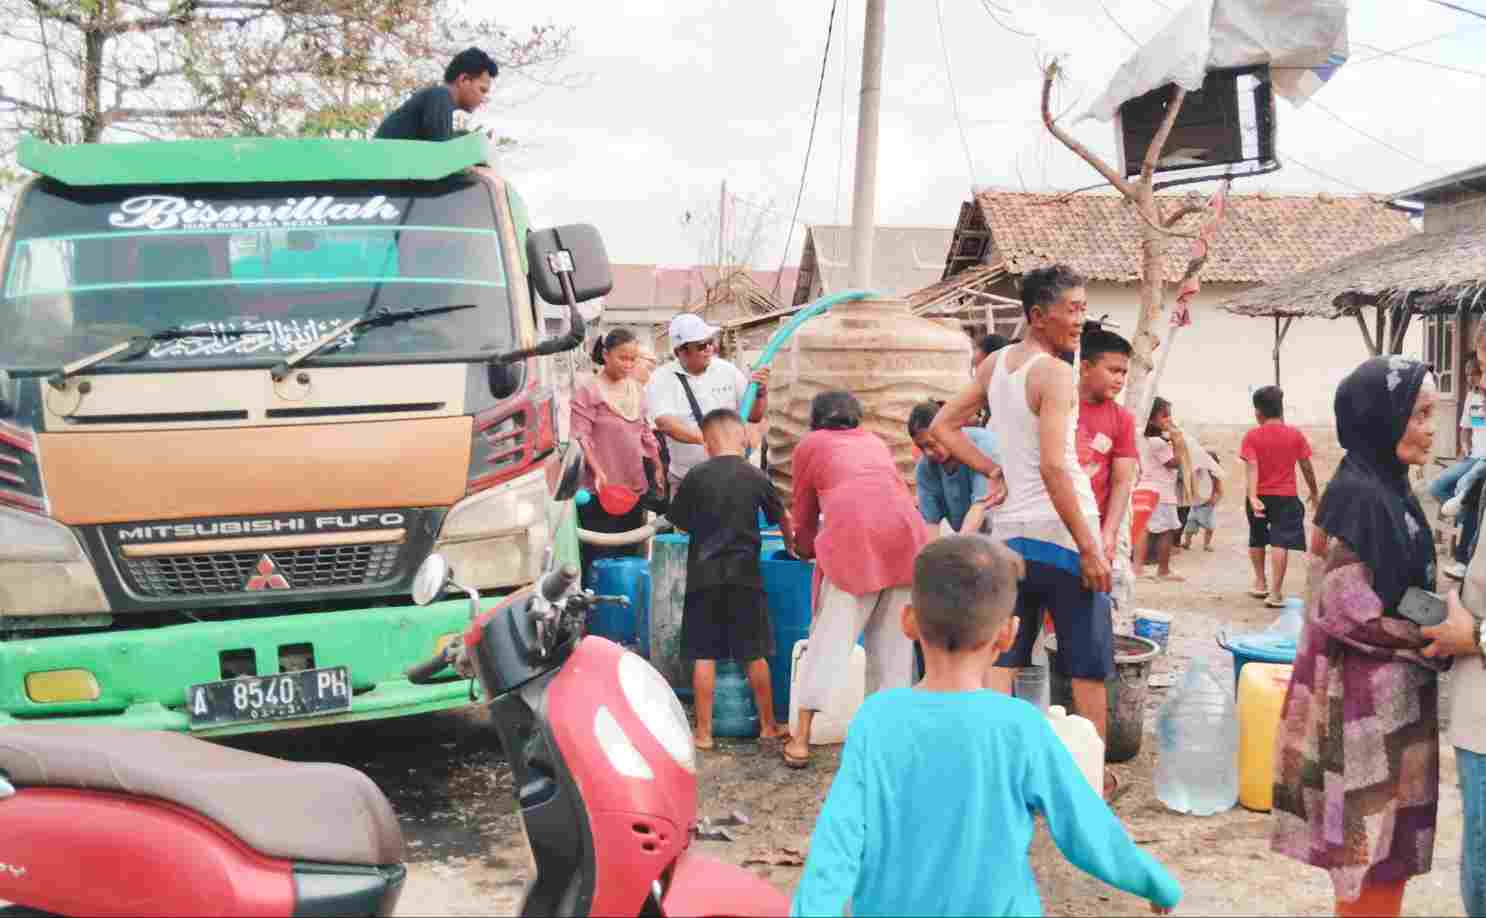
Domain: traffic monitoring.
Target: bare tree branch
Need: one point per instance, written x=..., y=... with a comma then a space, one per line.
x=1185, y=210
x=1158, y=143
x=1083, y=152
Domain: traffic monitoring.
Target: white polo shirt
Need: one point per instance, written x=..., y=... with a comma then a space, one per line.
x=721, y=386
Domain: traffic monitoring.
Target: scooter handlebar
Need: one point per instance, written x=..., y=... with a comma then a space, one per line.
x=556, y=583
x=423, y=673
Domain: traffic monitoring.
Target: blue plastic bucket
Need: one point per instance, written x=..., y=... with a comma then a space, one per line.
x=787, y=590
x=628, y=627
x=1256, y=648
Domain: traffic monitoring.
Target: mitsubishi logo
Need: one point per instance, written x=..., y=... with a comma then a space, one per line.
x=267, y=578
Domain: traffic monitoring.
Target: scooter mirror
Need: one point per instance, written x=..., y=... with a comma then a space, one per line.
x=432, y=579
x=572, y=474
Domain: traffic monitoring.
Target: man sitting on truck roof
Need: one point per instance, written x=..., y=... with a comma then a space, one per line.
x=429, y=113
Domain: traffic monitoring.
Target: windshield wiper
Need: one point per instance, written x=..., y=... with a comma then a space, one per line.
x=382, y=315
x=138, y=346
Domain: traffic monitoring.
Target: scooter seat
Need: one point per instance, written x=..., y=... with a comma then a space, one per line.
x=295, y=811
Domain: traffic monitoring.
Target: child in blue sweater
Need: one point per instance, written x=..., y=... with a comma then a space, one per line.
x=932, y=811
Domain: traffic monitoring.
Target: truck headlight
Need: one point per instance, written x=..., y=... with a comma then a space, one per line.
x=27, y=537
x=659, y=710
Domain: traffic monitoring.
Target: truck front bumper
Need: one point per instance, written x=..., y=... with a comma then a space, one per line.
x=142, y=675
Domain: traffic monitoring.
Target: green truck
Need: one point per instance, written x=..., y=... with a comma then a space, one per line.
x=246, y=387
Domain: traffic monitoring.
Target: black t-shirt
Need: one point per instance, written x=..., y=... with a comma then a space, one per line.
x=718, y=504
x=427, y=115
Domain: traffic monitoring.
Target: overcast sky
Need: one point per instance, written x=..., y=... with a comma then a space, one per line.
x=686, y=93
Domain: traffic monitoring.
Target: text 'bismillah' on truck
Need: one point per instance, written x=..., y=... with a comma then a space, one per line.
x=246, y=387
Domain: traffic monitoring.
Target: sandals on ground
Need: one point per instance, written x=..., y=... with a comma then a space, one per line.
x=793, y=761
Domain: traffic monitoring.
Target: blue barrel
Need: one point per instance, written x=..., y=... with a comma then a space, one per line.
x=733, y=710
x=787, y=583
x=628, y=627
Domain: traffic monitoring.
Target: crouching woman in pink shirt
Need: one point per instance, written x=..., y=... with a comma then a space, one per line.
x=864, y=557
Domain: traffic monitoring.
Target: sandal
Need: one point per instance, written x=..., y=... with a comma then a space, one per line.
x=1114, y=787
x=1274, y=601
x=791, y=761
x=1259, y=594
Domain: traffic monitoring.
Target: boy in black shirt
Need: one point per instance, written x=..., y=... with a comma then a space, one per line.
x=725, y=616
x=429, y=113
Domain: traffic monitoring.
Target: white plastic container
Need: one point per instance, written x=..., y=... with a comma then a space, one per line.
x=1082, y=740
x=829, y=726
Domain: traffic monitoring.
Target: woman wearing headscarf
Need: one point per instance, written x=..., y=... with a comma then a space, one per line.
x=864, y=557
x=609, y=422
x=1357, y=761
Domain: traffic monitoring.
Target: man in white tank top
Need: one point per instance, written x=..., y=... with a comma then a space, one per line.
x=1043, y=505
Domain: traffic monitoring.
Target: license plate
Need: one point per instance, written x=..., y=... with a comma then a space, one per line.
x=305, y=693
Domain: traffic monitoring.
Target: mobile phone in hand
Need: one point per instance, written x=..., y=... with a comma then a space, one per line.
x=1422, y=607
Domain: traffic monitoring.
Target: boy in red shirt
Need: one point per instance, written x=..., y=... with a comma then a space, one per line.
x=1270, y=453
x=1106, y=431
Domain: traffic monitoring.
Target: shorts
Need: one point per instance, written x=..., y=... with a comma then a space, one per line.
x=1083, y=619
x=1282, y=526
x=726, y=623
x=1202, y=517
x=1164, y=519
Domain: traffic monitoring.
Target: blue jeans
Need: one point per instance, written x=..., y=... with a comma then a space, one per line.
x=1471, y=767
x=1450, y=484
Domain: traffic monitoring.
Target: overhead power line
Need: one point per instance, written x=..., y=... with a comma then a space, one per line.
x=1458, y=8
x=1126, y=32
x=954, y=96
x=1324, y=175
x=1377, y=140
x=991, y=12
x=1410, y=46
x=809, y=145
x=1384, y=52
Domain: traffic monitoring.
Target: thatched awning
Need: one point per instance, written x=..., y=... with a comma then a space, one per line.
x=1426, y=272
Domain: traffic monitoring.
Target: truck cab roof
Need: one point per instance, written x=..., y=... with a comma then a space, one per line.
x=251, y=159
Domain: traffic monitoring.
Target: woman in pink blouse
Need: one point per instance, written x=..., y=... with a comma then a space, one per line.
x=608, y=422
x=864, y=556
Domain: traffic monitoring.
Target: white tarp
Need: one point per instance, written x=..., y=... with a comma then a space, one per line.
x=1303, y=42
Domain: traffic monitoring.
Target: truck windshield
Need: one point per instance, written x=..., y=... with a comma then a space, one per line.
x=272, y=266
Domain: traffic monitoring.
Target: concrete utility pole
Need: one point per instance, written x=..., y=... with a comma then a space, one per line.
x=722, y=225
x=864, y=193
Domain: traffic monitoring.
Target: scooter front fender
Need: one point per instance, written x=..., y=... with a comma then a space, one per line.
x=702, y=887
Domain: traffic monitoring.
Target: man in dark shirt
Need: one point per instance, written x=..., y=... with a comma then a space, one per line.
x=429, y=113
x=724, y=616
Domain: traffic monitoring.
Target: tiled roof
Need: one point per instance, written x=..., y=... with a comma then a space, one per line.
x=1263, y=237
x=644, y=286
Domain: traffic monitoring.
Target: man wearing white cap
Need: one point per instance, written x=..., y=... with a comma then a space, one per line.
x=681, y=393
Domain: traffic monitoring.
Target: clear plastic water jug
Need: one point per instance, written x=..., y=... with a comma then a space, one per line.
x=1291, y=621
x=1197, y=758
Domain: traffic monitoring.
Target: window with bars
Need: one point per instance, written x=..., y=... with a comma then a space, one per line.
x=1439, y=351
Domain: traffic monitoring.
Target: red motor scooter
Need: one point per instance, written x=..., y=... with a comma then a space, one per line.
x=602, y=755
x=105, y=821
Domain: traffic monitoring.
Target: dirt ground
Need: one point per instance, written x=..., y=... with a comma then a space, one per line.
x=1223, y=862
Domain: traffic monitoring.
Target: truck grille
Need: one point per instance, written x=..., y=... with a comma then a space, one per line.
x=230, y=572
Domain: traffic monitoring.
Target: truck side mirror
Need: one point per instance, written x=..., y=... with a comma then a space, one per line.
x=576, y=249
x=7, y=395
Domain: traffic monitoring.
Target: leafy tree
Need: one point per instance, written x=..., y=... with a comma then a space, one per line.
x=88, y=70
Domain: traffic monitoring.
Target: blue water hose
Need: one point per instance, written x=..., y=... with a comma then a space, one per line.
x=787, y=331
